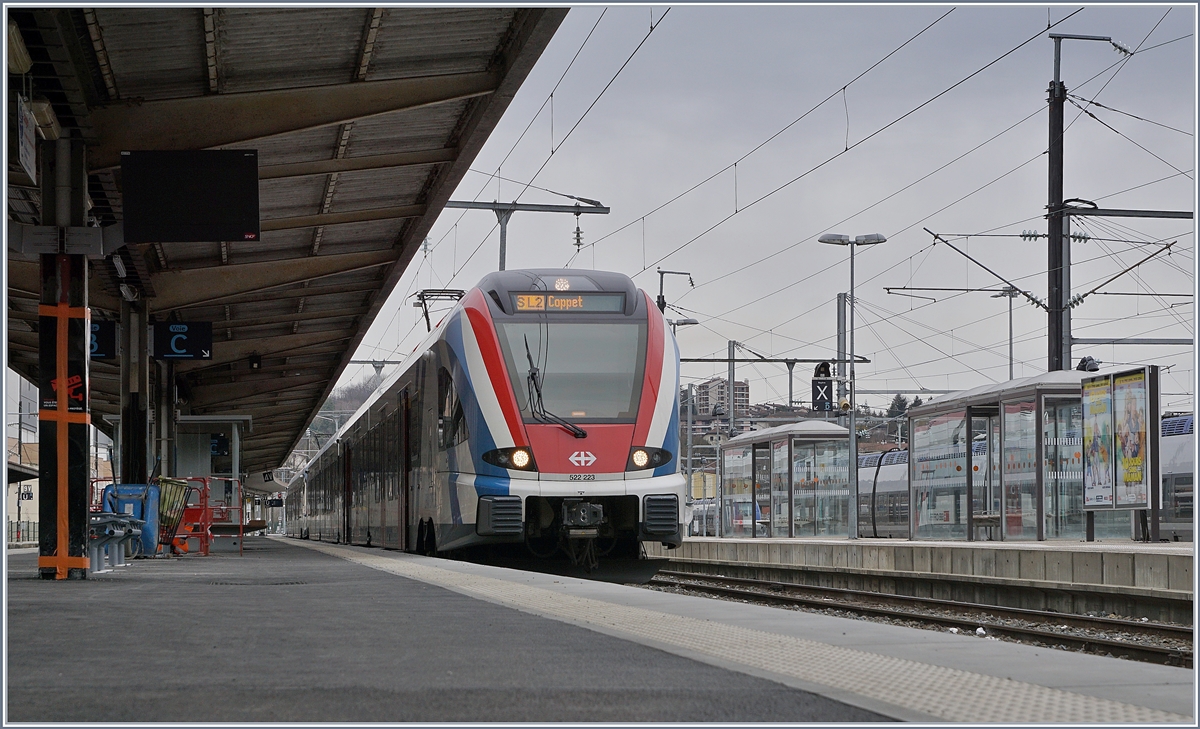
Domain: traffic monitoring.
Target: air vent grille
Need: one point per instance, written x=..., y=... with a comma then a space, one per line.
x=662, y=514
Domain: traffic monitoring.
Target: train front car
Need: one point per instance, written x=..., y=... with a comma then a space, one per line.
x=573, y=432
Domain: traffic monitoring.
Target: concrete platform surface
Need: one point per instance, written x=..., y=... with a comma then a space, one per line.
x=301, y=630
x=288, y=634
x=905, y=673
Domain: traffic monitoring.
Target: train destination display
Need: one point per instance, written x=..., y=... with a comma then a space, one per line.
x=590, y=303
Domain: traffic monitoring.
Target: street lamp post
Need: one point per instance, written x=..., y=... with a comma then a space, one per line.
x=844, y=240
x=1010, y=293
x=676, y=323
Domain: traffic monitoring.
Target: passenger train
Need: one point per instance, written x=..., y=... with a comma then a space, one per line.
x=540, y=411
x=884, y=496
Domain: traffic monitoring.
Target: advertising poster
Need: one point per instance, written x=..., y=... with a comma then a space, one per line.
x=1097, y=444
x=1131, y=415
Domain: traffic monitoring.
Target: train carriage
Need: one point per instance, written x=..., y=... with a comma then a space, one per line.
x=541, y=410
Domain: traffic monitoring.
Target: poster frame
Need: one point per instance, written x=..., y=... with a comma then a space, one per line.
x=1153, y=432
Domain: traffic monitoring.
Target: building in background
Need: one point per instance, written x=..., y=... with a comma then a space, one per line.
x=21, y=451
x=710, y=397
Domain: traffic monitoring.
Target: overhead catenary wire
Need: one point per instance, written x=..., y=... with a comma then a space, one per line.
x=529, y=183
x=575, y=126
x=1131, y=116
x=860, y=142
x=1121, y=65
x=1088, y=81
x=455, y=271
x=993, y=348
x=771, y=138
x=1036, y=334
x=882, y=272
x=880, y=202
x=762, y=330
x=1121, y=134
x=1036, y=112
x=939, y=169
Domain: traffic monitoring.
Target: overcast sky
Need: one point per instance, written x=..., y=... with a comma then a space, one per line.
x=710, y=85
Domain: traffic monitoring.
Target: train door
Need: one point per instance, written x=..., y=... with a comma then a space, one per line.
x=387, y=474
x=347, y=495
x=375, y=510
x=403, y=466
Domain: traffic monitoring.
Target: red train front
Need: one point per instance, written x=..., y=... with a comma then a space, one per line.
x=543, y=409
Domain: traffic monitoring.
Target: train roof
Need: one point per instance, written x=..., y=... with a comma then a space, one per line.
x=889, y=458
x=1177, y=425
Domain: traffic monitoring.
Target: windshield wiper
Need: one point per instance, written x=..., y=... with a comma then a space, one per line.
x=536, y=407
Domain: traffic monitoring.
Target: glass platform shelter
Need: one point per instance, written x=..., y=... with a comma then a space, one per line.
x=787, y=481
x=1023, y=479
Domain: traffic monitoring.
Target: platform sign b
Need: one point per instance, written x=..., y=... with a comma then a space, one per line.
x=103, y=343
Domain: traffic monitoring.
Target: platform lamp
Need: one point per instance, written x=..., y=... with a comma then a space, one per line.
x=676, y=323
x=844, y=240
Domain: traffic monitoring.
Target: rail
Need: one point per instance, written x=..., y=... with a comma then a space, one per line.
x=1041, y=626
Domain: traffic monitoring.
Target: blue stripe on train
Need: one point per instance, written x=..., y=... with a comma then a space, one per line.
x=671, y=439
x=480, y=439
x=491, y=486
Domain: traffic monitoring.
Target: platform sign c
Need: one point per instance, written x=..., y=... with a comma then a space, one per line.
x=183, y=340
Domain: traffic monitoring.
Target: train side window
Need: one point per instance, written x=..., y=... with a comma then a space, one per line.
x=452, y=428
x=1181, y=497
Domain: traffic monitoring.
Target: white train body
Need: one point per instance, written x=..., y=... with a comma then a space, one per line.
x=541, y=409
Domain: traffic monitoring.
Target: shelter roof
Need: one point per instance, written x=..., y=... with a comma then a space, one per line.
x=1064, y=381
x=809, y=428
x=365, y=120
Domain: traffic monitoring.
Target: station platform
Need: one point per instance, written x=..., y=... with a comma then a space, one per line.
x=307, y=631
x=1124, y=578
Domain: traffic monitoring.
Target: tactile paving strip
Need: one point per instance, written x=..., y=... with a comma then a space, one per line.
x=945, y=693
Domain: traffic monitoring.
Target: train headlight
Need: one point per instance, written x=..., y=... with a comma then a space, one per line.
x=646, y=457
x=517, y=459
x=520, y=458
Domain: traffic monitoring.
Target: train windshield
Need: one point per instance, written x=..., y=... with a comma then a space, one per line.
x=590, y=371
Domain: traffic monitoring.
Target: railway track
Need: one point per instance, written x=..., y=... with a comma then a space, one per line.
x=1085, y=633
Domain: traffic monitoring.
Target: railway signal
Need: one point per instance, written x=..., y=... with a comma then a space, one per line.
x=822, y=388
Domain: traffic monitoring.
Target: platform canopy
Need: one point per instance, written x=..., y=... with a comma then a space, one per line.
x=365, y=120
